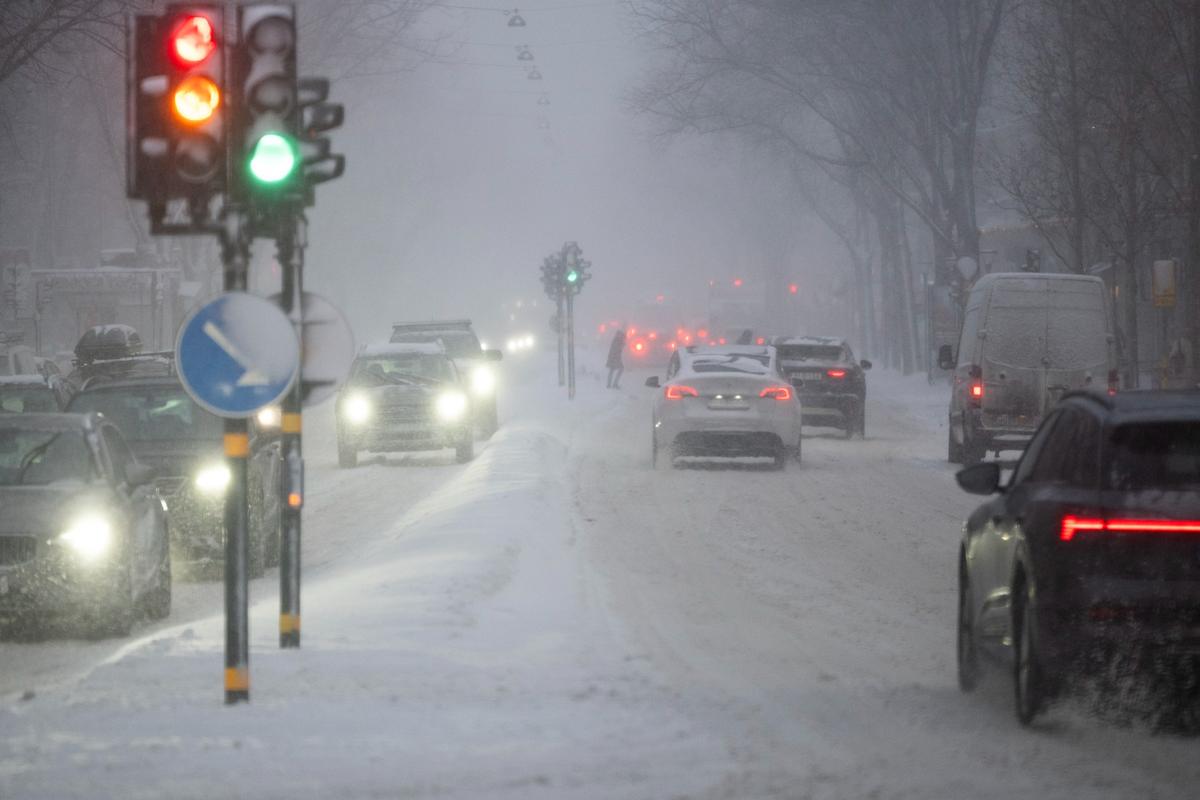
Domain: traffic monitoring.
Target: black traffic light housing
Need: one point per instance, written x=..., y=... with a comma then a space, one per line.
x=177, y=111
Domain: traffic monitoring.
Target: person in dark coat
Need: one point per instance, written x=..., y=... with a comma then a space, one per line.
x=616, y=367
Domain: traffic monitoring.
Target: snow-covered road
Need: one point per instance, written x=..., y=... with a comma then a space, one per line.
x=557, y=619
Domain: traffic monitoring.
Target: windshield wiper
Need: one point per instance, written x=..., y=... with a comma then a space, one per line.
x=33, y=455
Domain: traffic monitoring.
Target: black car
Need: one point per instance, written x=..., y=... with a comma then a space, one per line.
x=33, y=394
x=458, y=339
x=1091, y=551
x=83, y=530
x=169, y=431
x=404, y=397
x=832, y=386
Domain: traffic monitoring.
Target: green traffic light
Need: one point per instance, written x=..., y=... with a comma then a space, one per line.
x=273, y=159
x=572, y=276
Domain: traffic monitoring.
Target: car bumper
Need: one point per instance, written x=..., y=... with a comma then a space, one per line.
x=54, y=584
x=1123, y=615
x=822, y=408
x=407, y=437
x=729, y=437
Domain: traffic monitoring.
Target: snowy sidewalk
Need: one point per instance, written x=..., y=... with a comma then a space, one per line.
x=463, y=656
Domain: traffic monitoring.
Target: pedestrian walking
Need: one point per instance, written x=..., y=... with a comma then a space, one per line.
x=616, y=367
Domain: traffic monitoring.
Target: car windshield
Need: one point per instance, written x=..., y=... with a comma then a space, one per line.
x=41, y=457
x=747, y=363
x=151, y=413
x=26, y=399
x=810, y=352
x=1159, y=455
x=458, y=344
x=402, y=368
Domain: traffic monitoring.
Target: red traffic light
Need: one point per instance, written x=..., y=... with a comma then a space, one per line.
x=737, y=282
x=193, y=40
x=794, y=288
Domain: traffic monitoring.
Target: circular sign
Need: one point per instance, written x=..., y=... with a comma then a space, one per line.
x=967, y=267
x=326, y=348
x=236, y=354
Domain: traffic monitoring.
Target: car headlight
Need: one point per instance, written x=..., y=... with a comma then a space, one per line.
x=356, y=409
x=451, y=406
x=90, y=536
x=269, y=417
x=213, y=479
x=483, y=381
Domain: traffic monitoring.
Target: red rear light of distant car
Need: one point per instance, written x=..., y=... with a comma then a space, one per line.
x=760, y=340
x=652, y=335
x=721, y=340
x=678, y=391
x=630, y=331
x=702, y=333
x=1072, y=525
x=639, y=347
x=836, y=373
x=777, y=392
x=671, y=345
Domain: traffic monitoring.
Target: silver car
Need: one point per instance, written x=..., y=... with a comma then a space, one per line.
x=727, y=402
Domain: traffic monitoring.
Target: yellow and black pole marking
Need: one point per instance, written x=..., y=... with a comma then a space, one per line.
x=237, y=556
x=289, y=542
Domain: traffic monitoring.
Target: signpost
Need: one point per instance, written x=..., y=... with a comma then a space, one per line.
x=235, y=355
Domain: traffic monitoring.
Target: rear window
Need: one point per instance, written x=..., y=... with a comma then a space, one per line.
x=458, y=344
x=26, y=399
x=1159, y=455
x=744, y=363
x=809, y=352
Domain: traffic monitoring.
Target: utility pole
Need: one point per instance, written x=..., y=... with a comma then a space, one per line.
x=571, y=346
x=560, y=321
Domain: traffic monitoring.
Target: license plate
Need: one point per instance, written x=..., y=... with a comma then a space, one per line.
x=809, y=376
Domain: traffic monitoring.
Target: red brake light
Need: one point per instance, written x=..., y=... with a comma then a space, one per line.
x=777, y=392
x=702, y=333
x=653, y=335
x=678, y=391
x=721, y=340
x=1071, y=525
x=639, y=347
x=836, y=373
x=194, y=40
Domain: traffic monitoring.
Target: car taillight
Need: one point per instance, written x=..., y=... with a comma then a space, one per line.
x=678, y=391
x=760, y=340
x=1114, y=381
x=652, y=335
x=639, y=347
x=721, y=340
x=836, y=373
x=702, y=333
x=1072, y=525
x=777, y=392
x=977, y=390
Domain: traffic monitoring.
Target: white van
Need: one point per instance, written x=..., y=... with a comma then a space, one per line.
x=1026, y=339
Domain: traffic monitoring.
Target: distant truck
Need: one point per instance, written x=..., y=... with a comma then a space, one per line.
x=1026, y=339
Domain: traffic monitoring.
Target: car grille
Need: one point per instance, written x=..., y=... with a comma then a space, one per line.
x=16, y=550
x=403, y=414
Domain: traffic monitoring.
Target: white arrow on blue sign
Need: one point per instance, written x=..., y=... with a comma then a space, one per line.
x=236, y=354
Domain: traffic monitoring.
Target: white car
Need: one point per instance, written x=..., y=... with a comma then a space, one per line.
x=728, y=401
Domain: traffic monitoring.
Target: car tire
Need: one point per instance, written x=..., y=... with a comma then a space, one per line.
x=954, y=452
x=157, y=603
x=1029, y=694
x=464, y=451
x=347, y=455
x=966, y=644
x=781, y=457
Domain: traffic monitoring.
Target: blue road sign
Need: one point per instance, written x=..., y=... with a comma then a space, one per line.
x=237, y=354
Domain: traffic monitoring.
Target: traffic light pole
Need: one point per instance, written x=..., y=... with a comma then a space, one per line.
x=235, y=256
x=562, y=380
x=290, y=250
x=570, y=344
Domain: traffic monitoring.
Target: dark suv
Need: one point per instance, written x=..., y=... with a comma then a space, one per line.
x=1091, y=552
x=458, y=339
x=832, y=386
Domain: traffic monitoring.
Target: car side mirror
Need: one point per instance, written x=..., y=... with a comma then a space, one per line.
x=945, y=357
x=980, y=478
x=493, y=355
x=652, y=382
x=865, y=364
x=138, y=474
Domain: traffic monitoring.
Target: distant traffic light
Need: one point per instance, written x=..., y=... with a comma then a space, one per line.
x=177, y=110
x=737, y=282
x=793, y=288
x=266, y=148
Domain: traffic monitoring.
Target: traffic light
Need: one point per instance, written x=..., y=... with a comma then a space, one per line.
x=552, y=273
x=266, y=150
x=317, y=117
x=176, y=109
x=575, y=268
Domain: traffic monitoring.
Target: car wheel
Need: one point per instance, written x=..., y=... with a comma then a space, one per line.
x=465, y=450
x=953, y=449
x=968, y=654
x=347, y=456
x=1029, y=691
x=157, y=603
x=781, y=457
